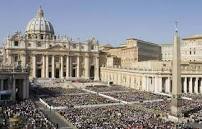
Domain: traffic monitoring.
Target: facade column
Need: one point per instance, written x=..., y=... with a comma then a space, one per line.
x=61, y=67
x=34, y=66
x=67, y=67
x=43, y=66
x=153, y=84
x=185, y=84
x=127, y=81
x=87, y=67
x=144, y=83
x=147, y=83
x=169, y=86
x=53, y=67
x=97, y=69
x=196, y=86
x=156, y=84
x=160, y=84
x=47, y=66
x=78, y=67
x=70, y=66
x=190, y=85
x=119, y=78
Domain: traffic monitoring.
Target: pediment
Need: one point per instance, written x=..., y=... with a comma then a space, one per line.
x=57, y=48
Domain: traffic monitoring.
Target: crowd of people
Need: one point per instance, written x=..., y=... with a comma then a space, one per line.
x=27, y=115
x=132, y=96
x=72, y=100
x=115, y=117
x=164, y=106
x=112, y=117
x=105, y=88
x=54, y=91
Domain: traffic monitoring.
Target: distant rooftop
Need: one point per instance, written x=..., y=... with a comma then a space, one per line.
x=198, y=36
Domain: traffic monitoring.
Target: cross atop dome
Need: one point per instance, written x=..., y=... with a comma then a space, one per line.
x=40, y=12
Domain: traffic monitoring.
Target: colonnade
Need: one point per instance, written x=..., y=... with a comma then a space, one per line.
x=9, y=85
x=152, y=82
x=65, y=67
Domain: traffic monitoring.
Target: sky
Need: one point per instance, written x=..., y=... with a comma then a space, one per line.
x=110, y=21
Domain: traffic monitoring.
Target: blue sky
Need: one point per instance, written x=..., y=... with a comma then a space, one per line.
x=110, y=21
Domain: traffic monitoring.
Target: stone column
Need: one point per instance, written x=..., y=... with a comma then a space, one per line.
x=169, y=86
x=67, y=67
x=78, y=67
x=47, y=66
x=190, y=85
x=185, y=84
x=53, y=66
x=156, y=84
x=97, y=70
x=147, y=83
x=153, y=84
x=23, y=60
x=70, y=66
x=127, y=81
x=196, y=86
x=144, y=83
x=34, y=66
x=119, y=79
x=43, y=66
x=61, y=67
x=87, y=67
x=160, y=84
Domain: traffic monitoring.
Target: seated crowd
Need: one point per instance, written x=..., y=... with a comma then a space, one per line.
x=164, y=106
x=28, y=114
x=135, y=96
x=69, y=100
x=54, y=91
x=105, y=88
x=115, y=117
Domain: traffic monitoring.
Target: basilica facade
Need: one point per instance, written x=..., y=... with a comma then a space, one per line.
x=47, y=55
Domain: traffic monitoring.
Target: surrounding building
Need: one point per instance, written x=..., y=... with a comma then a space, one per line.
x=14, y=83
x=155, y=76
x=49, y=56
x=191, y=49
x=132, y=51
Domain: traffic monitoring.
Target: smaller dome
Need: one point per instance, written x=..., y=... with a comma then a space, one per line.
x=39, y=25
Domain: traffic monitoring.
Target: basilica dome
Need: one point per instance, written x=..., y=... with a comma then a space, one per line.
x=39, y=25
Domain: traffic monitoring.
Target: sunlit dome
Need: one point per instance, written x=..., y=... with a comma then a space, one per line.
x=39, y=25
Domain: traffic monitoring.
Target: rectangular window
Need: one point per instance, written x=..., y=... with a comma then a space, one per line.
x=15, y=58
x=16, y=43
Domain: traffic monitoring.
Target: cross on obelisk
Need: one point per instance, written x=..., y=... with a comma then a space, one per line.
x=176, y=101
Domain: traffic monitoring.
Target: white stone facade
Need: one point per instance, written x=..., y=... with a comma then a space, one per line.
x=155, y=76
x=191, y=49
x=49, y=56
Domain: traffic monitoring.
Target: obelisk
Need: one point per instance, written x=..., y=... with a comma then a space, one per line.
x=176, y=100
